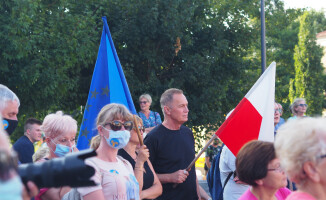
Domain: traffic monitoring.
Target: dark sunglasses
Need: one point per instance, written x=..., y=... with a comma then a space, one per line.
x=143, y=102
x=116, y=125
x=303, y=104
x=141, y=128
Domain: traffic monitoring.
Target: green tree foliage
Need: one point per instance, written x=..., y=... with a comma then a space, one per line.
x=309, y=77
x=209, y=49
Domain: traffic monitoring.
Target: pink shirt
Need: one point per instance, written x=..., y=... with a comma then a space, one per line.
x=116, y=179
x=281, y=194
x=300, y=196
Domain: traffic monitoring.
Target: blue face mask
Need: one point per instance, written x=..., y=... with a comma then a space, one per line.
x=118, y=139
x=61, y=150
x=11, y=189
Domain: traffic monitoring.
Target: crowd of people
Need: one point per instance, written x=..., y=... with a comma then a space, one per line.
x=128, y=167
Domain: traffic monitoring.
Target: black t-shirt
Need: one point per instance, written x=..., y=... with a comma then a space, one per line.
x=148, y=177
x=170, y=151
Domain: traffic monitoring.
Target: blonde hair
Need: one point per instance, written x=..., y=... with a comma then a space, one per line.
x=296, y=104
x=299, y=141
x=58, y=123
x=111, y=112
x=41, y=153
x=95, y=142
x=138, y=121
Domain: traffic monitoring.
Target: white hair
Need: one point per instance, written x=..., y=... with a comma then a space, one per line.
x=147, y=97
x=58, y=123
x=299, y=141
x=7, y=95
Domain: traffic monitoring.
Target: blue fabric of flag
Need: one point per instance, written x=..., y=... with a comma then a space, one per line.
x=108, y=85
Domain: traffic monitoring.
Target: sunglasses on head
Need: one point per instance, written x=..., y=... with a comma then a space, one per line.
x=116, y=125
x=141, y=128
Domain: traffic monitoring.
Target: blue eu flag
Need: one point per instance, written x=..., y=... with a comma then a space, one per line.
x=108, y=86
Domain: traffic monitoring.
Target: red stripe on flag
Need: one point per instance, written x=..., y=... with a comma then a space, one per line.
x=242, y=126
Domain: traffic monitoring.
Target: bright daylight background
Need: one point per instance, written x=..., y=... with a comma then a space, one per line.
x=315, y=4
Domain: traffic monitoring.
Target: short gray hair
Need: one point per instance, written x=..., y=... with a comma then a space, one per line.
x=147, y=97
x=57, y=123
x=7, y=95
x=167, y=97
x=296, y=104
x=299, y=141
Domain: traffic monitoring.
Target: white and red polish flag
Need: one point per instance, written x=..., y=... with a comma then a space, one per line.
x=253, y=118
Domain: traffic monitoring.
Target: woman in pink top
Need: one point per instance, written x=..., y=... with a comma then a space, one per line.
x=258, y=167
x=114, y=174
x=301, y=147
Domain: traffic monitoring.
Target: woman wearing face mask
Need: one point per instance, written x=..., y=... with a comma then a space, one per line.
x=60, y=132
x=143, y=169
x=115, y=174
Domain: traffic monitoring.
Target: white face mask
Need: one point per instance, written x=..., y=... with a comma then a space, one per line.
x=11, y=189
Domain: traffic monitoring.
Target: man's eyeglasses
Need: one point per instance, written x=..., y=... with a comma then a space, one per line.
x=279, y=110
x=8, y=163
x=277, y=169
x=303, y=105
x=140, y=128
x=143, y=102
x=116, y=125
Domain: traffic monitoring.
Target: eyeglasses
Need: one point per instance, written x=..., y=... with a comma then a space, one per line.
x=143, y=102
x=277, y=169
x=116, y=125
x=279, y=110
x=322, y=156
x=141, y=128
x=303, y=105
x=8, y=162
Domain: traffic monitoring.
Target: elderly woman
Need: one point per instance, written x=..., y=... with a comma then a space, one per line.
x=60, y=132
x=145, y=174
x=113, y=173
x=258, y=167
x=301, y=147
x=298, y=108
x=150, y=118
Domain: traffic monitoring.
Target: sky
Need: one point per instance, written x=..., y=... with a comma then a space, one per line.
x=315, y=4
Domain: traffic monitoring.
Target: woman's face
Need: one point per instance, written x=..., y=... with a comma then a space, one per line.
x=68, y=139
x=134, y=137
x=276, y=177
x=144, y=104
x=301, y=107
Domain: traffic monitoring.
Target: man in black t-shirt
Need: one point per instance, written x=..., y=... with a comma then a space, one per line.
x=171, y=148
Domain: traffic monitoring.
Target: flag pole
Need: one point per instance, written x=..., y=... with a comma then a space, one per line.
x=198, y=155
x=263, y=42
x=201, y=152
x=138, y=132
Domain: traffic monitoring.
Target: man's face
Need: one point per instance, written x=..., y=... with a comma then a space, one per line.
x=34, y=132
x=10, y=111
x=276, y=114
x=178, y=109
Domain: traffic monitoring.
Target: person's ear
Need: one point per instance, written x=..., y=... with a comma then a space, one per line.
x=167, y=110
x=311, y=171
x=259, y=182
x=100, y=130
